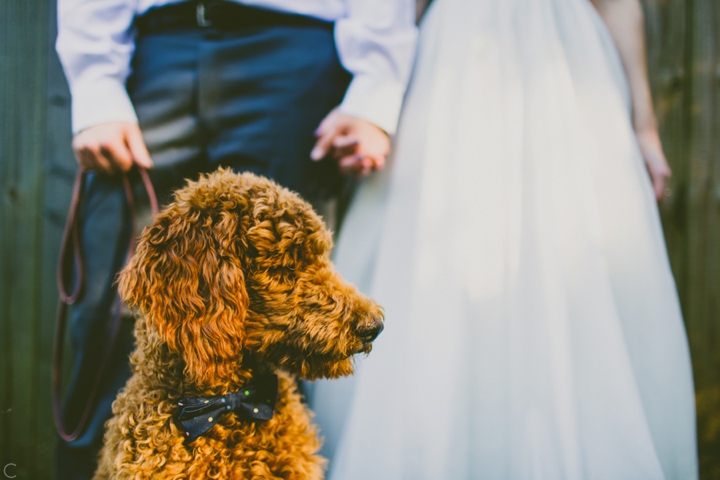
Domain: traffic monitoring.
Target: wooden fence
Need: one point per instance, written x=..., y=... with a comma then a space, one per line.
x=36, y=170
x=684, y=63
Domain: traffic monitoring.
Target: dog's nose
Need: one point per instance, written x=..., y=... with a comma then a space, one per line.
x=367, y=332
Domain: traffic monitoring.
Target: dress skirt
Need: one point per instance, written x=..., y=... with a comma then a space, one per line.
x=533, y=329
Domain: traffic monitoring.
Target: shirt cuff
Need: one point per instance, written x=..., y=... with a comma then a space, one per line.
x=374, y=101
x=99, y=101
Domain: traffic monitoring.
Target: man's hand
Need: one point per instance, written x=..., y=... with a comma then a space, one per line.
x=359, y=146
x=652, y=153
x=111, y=148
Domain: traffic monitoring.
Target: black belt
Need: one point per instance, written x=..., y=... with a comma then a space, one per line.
x=220, y=15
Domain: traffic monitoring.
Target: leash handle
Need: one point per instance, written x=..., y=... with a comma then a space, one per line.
x=71, y=254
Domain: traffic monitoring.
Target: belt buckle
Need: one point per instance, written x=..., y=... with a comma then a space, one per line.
x=200, y=16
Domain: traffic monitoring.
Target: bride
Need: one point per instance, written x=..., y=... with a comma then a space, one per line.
x=533, y=329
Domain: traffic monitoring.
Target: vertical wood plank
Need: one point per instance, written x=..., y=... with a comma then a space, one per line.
x=683, y=38
x=703, y=282
x=667, y=65
x=60, y=167
x=23, y=61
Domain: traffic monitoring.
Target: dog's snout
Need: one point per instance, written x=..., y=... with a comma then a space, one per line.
x=368, y=331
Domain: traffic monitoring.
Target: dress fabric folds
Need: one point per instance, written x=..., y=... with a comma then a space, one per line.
x=533, y=329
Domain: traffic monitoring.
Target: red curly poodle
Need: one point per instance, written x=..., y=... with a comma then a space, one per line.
x=236, y=294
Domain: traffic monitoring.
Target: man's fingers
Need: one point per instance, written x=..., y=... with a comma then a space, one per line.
x=92, y=159
x=361, y=165
x=323, y=144
x=351, y=164
x=327, y=122
x=345, y=141
x=137, y=148
x=358, y=145
x=344, y=145
x=111, y=147
x=379, y=162
x=363, y=171
x=118, y=155
x=357, y=165
x=326, y=133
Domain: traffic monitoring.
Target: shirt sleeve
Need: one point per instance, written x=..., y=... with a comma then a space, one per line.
x=95, y=44
x=376, y=43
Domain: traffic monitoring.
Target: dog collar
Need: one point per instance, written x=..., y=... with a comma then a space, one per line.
x=256, y=401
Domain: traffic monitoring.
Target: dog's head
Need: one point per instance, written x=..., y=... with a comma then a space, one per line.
x=238, y=269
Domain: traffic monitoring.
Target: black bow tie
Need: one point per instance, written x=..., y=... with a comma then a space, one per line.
x=256, y=401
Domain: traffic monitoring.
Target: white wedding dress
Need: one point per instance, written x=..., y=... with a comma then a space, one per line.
x=533, y=329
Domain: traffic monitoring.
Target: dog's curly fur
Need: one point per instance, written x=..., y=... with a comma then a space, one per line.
x=232, y=279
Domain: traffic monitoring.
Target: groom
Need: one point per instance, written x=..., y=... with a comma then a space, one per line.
x=296, y=90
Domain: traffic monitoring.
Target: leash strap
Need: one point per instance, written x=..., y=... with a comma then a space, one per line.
x=71, y=254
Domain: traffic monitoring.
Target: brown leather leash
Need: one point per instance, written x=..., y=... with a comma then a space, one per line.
x=71, y=254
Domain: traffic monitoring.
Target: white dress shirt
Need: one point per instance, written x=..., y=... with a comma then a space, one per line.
x=375, y=41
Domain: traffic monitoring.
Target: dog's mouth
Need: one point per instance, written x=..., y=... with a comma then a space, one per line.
x=325, y=366
x=312, y=365
x=365, y=348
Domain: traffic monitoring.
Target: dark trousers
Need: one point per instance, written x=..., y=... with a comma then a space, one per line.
x=248, y=99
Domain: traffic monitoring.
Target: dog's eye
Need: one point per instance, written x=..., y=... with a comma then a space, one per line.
x=278, y=326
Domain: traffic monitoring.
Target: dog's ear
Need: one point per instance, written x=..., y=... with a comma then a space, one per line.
x=187, y=278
